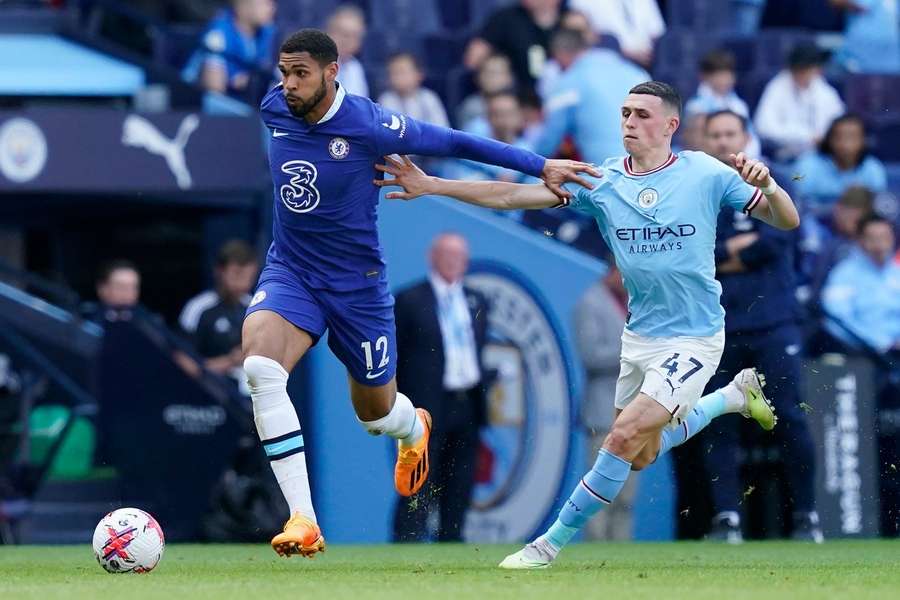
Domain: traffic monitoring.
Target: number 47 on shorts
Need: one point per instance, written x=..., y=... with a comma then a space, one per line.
x=671, y=364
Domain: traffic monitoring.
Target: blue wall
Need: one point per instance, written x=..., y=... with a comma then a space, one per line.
x=352, y=472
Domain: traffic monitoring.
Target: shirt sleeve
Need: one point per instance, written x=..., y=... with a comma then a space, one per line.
x=395, y=133
x=737, y=193
x=581, y=199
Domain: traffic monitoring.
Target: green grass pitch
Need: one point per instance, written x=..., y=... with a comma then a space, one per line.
x=845, y=570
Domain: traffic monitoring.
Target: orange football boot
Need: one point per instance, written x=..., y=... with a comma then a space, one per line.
x=300, y=536
x=411, y=469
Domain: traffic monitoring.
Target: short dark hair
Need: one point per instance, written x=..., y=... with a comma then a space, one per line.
x=717, y=60
x=407, y=55
x=235, y=252
x=724, y=112
x=805, y=55
x=568, y=40
x=825, y=144
x=871, y=219
x=111, y=266
x=315, y=41
x=664, y=91
x=858, y=196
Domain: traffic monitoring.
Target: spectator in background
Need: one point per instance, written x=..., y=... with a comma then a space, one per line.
x=755, y=266
x=406, y=94
x=871, y=36
x=797, y=105
x=599, y=322
x=236, y=46
x=716, y=92
x=692, y=135
x=347, y=27
x=842, y=160
x=636, y=24
x=441, y=333
x=494, y=75
x=862, y=305
x=506, y=123
x=585, y=102
x=118, y=285
x=522, y=33
x=861, y=297
x=746, y=15
x=213, y=318
x=837, y=235
x=575, y=21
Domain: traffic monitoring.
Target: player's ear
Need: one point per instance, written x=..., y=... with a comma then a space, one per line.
x=331, y=71
x=674, y=123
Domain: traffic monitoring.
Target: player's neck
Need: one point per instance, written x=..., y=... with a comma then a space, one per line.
x=650, y=160
x=318, y=111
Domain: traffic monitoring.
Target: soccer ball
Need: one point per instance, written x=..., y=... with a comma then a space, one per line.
x=128, y=540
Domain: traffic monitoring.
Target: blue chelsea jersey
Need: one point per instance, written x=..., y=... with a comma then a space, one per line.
x=661, y=228
x=325, y=204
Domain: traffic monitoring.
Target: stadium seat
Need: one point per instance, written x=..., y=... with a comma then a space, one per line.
x=698, y=15
x=443, y=51
x=773, y=46
x=873, y=96
x=681, y=50
x=481, y=10
x=744, y=50
x=379, y=45
x=886, y=133
x=405, y=16
x=174, y=45
x=750, y=86
x=296, y=14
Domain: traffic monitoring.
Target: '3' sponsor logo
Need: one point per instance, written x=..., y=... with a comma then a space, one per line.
x=300, y=194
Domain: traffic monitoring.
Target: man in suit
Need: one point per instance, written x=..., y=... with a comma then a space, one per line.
x=441, y=331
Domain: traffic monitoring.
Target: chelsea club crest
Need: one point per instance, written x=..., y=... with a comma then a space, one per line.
x=338, y=148
x=648, y=197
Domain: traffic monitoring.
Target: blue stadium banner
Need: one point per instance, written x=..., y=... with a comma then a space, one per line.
x=86, y=150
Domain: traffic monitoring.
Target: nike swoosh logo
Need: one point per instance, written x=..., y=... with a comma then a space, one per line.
x=394, y=124
x=276, y=133
x=374, y=375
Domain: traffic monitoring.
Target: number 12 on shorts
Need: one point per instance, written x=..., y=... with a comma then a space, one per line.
x=381, y=345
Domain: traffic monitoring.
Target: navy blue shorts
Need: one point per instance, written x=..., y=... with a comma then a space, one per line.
x=360, y=323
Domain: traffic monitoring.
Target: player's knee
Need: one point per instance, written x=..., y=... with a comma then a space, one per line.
x=264, y=374
x=620, y=440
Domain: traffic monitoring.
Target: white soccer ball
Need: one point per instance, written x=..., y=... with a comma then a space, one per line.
x=128, y=540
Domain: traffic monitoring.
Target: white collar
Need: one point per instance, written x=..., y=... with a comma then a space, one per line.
x=441, y=287
x=335, y=105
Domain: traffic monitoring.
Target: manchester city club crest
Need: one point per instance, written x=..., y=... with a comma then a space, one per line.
x=338, y=148
x=648, y=197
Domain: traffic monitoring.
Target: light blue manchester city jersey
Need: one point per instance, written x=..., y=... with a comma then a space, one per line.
x=661, y=227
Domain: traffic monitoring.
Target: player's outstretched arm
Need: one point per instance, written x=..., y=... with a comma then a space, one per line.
x=489, y=194
x=776, y=206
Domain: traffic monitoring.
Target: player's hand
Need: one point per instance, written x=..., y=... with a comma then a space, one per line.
x=755, y=172
x=407, y=175
x=557, y=172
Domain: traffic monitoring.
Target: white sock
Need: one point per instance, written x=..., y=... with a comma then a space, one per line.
x=402, y=423
x=279, y=431
x=734, y=398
